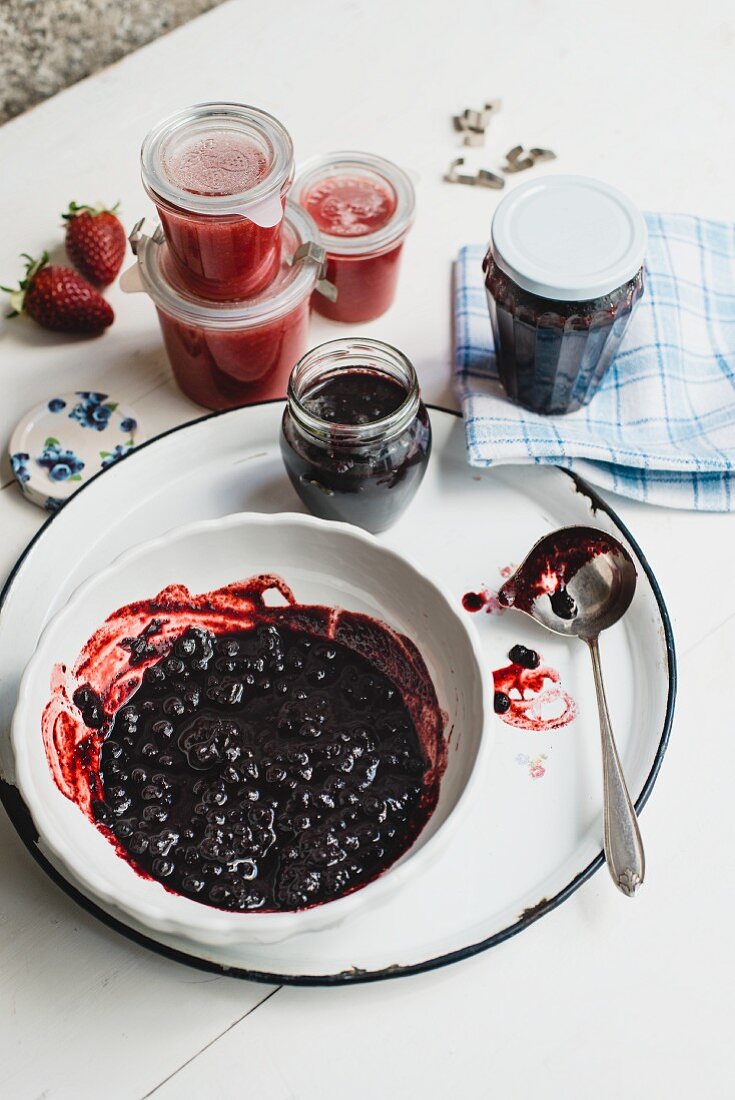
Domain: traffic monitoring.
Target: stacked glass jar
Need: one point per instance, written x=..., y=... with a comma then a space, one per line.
x=230, y=270
x=235, y=266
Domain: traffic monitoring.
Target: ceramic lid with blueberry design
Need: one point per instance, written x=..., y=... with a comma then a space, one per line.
x=68, y=439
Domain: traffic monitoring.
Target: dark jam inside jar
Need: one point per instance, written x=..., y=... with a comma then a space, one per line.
x=552, y=355
x=356, y=437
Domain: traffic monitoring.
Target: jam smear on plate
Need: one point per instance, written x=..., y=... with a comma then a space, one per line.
x=529, y=695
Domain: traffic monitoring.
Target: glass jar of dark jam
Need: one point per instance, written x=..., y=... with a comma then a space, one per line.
x=563, y=275
x=355, y=437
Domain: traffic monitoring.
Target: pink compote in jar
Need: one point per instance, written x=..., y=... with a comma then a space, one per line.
x=363, y=206
x=219, y=174
x=226, y=354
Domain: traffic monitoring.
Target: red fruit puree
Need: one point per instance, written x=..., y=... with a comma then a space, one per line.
x=219, y=174
x=220, y=257
x=223, y=369
x=226, y=355
x=363, y=207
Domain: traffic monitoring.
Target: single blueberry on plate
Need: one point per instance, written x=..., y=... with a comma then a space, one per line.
x=129, y=424
x=501, y=702
x=525, y=657
x=56, y=404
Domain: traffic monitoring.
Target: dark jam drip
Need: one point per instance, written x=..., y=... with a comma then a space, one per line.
x=262, y=770
x=368, y=483
x=355, y=397
x=473, y=601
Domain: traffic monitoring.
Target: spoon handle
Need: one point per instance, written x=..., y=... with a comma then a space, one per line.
x=623, y=845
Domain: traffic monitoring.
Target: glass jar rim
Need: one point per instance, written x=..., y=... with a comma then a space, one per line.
x=350, y=352
x=353, y=163
x=219, y=115
x=295, y=282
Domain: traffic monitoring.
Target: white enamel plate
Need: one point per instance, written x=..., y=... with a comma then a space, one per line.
x=532, y=832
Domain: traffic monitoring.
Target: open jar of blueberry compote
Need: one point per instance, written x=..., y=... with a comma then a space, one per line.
x=355, y=436
x=563, y=274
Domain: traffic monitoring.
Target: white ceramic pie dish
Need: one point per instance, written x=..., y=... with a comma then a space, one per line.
x=324, y=563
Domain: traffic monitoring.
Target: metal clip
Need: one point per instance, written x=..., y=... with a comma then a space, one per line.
x=541, y=154
x=326, y=289
x=483, y=178
x=137, y=235
x=310, y=250
x=473, y=124
x=518, y=159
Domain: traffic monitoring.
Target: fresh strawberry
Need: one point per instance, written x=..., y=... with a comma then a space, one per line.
x=95, y=241
x=60, y=299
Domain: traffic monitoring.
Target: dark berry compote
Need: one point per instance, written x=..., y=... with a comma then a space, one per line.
x=552, y=355
x=262, y=758
x=356, y=437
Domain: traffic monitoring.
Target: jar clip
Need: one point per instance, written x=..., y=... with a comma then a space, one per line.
x=136, y=235
x=483, y=178
x=310, y=250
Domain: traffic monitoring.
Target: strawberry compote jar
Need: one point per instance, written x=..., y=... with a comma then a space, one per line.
x=219, y=174
x=363, y=206
x=227, y=354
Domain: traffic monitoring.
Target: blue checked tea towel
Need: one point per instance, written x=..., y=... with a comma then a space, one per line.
x=661, y=428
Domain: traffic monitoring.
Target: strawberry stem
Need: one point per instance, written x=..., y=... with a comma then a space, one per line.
x=17, y=294
x=84, y=208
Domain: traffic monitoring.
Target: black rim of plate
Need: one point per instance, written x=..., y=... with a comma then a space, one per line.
x=23, y=822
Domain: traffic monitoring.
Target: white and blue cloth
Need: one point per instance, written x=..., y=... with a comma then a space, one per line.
x=661, y=428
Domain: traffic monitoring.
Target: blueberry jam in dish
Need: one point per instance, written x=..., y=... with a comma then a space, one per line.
x=355, y=436
x=249, y=757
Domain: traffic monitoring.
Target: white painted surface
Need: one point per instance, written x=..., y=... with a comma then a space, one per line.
x=604, y=997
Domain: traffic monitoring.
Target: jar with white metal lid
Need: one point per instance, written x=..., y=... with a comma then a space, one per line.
x=563, y=274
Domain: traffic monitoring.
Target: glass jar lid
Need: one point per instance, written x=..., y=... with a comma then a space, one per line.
x=360, y=202
x=568, y=238
x=302, y=261
x=219, y=159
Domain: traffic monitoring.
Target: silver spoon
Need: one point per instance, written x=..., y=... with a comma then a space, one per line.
x=579, y=581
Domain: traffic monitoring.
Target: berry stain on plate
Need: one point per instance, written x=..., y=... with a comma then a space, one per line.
x=536, y=764
x=484, y=599
x=528, y=694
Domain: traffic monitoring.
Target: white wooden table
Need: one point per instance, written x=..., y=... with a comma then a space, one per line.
x=603, y=997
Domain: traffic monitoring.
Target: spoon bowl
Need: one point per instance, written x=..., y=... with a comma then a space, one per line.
x=598, y=593
x=578, y=581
